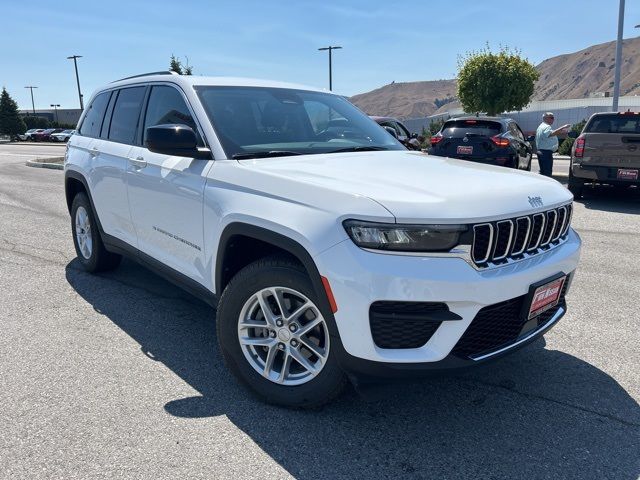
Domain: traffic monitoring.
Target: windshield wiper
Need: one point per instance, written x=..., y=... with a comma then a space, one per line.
x=363, y=148
x=264, y=154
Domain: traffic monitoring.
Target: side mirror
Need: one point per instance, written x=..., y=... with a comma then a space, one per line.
x=175, y=139
x=414, y=135
x=531, y=138
x=391, y=131
x=572, y=134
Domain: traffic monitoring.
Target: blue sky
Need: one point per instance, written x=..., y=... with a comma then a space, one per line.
x=383, y=41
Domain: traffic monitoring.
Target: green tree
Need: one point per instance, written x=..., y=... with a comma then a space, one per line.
x=435, y=126
x=567, y=143
x=36, y=122
x=175, y=65
x=10, y=121
x=495, y=82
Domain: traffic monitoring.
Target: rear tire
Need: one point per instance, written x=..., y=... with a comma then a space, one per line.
x=86, y=238
x=576, y=185
x=280, y=367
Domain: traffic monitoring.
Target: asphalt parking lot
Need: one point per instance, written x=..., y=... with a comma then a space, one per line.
x=119, y=375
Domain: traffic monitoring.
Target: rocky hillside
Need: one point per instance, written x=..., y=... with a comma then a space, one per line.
x=575, y=75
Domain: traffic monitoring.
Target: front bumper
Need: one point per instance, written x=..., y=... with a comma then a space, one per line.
x=358, y=278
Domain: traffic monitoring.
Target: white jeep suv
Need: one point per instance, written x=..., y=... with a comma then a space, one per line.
x=330, y=250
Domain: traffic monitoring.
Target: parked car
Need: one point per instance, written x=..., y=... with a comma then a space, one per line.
x=607, y=151
x=327, y=248
x=491, y=140
x=399, y=131
x=29, y=134
x=26, y=135
x=63, y=136
x=44, y=135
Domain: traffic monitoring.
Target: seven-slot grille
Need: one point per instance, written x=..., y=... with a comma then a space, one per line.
x=496, y=242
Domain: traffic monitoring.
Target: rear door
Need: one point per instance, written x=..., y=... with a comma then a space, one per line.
x=104, y=171
x=613, y=140
x=469, y=139
x=166, y=192
x=112, y=152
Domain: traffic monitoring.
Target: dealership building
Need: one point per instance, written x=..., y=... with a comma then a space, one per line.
x=67, y=116
x=566, y=111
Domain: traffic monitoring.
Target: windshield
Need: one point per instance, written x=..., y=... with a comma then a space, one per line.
x=258, y=122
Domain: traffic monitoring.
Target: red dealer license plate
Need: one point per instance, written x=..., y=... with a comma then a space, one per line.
x=464, y=150
x=627, y=174
x=545, y=297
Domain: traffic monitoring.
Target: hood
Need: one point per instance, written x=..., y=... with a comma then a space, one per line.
x=416, y=187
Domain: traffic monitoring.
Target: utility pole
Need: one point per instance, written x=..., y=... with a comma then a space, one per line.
x=75, y=63
x=33, y=105
x=55, y=109
x=330, y=48
x=616, y=77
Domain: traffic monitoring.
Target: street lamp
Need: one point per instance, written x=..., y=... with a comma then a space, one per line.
x=33, y=105
x=330, y=48
x=55, y=109
x=75, y=63
x=616, y=76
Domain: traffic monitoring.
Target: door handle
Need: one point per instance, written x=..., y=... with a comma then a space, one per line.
x=94, y=152
x=138, y=162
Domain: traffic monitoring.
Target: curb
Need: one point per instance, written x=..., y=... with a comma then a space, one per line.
x=54, y=163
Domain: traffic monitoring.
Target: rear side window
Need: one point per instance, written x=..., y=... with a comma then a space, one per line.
x=460, y=128
x=614, y=124
x=166, y=105
x=125, y=115
x=93, y=119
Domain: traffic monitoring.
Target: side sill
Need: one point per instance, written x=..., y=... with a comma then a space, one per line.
x=192, y=287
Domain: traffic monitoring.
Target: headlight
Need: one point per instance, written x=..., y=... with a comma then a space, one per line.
x=405, y=238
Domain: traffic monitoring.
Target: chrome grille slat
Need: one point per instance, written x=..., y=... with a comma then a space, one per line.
x=489, y=248
x=550, y=226
x=506, y=248
x=503, y=241
x=526, y=235
x=562, y=216
x=538, y=237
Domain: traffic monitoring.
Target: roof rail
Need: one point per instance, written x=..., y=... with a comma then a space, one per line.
x=164, y=72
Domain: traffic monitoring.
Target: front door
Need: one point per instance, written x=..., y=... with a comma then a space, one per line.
x=166, y=192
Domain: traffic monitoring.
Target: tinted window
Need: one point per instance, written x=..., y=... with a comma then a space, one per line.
x=125, y=115
x=93, y=119
x=402, y=130
x=515, y=131
x=460, y=128
x=166, y=105
x=614, y=123
x=250, y=120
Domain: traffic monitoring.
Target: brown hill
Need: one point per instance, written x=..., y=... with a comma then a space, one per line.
x=575, y=75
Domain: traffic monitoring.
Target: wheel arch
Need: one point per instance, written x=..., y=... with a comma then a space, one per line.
x=265, y=241
x=74, y=183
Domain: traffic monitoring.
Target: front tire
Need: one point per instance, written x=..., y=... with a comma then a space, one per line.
x=274, y=336
x=86, y=238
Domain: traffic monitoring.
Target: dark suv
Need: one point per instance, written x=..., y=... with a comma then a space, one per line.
x=607, y=151
x=492, y=140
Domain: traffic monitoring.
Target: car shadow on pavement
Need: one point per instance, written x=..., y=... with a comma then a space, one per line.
x=609, y=199
x=538, y=414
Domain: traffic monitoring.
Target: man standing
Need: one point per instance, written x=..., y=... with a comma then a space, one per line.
x=547, y=143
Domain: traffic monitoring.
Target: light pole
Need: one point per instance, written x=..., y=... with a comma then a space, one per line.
x=33, y=105
x=55, y=109
x=330, y=48
x=75, y=63
x=616, y=76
